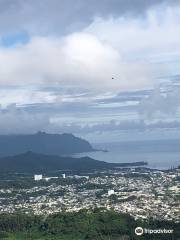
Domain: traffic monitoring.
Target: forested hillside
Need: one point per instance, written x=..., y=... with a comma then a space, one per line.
x=93, y=225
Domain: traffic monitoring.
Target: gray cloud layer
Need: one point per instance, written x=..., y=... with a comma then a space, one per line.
x=44, y=16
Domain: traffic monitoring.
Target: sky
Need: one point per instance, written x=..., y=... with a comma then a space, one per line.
x=103, y=70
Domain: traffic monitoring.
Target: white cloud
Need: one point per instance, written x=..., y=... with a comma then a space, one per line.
x=109, y=56
x=89, y=59
x=78, y=59
x=159, y=32
x=15, y=121
x=161, y=106
x=24, y=96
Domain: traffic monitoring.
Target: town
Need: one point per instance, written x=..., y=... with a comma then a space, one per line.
x=140, y=192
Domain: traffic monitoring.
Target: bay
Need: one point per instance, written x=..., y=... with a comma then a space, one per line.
x=160, y=154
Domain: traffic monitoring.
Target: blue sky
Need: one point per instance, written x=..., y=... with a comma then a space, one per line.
x=102, y=71
x=14, y=39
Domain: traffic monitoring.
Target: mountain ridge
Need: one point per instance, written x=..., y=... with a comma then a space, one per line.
x=36, y=162
x=44, y=143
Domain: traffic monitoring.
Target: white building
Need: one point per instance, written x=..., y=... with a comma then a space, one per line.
x=110, y=192
x=38, y=177
x=49, y=178
x=64, y=175
x=79, y=177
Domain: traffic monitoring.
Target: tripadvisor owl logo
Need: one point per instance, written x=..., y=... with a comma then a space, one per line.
x=139, y=231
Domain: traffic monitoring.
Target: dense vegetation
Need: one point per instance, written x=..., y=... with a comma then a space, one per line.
x=94, y=225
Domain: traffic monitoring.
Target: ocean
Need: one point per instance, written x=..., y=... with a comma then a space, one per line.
x=160, y=154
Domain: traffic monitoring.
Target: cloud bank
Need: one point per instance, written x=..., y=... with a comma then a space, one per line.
x=88, y=64
x=91, y=57
x=60, y=17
